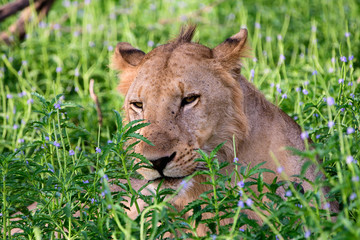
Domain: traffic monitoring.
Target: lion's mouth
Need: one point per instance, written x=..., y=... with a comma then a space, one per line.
x=168, y=179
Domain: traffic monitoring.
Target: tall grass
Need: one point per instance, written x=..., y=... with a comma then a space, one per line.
x=305, y=59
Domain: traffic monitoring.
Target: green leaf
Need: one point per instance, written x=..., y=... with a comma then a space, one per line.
x=140, y=137
x=118, y=120
x=41, y=99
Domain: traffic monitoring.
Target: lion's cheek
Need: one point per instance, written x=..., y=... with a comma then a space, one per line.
x=202, y=129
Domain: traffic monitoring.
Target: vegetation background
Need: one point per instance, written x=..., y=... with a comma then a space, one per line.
x=305, y=59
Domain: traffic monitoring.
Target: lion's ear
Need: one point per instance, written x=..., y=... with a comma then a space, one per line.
x=231, y=50
x=125, y=59
x=126, y=56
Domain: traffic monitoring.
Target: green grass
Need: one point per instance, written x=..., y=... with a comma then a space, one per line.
x=48, y=154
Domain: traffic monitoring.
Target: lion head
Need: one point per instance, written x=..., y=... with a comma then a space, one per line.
x=188, y=93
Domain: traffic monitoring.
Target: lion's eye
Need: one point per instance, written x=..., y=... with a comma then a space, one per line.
x=137, y=104
x=188, y=100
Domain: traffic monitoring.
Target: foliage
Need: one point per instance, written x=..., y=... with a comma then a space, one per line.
x=305, y=60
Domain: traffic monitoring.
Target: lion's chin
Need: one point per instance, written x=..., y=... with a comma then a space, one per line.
x=174, y=183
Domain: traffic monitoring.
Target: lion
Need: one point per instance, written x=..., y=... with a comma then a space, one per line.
x=194, y=97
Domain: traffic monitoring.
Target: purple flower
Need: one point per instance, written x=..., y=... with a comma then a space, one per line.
x=109, y=206
x=350, y=130
x=47, y=138
x=42, y=24
x=278, y=89
x=56, y=26
x=150, y=43
x=281, y=58
x=106, y=177
x=330, y=101
x=71, y=152
x=22, y=94
x=59, y=69
x=88, y=28
x=343, y=59
x=9, y=96
x=252, y=73
x=240, y=204
x=241, y=230
x=284, y=96
x=15, y=126
x=241, y=184
x=110, y=48
x=307, y=234
x=57, y=106
x=109, y=141
x=288, y=193
x=355, y=178
x=52, y=170
x=350, y=84
x=76, y=73
x=314, y=72
x=298, y=205
x=297, y=89
x=349, y=159
x=56, y=144
x=279, y=37
x=236, y=160
x=86, y=181
x=341, y=80
x=327, y=205
x=184, y=184
x=352, y=196
x=93, y=200
x=98, y=150
x=21, y=140
x=330, y=124
x=347, y=34
x=304, y=135
x=30, y=100
x=257, y=25
x=305, y=92
x=280, y=169
x=249, y=202
x=78, y=148
x=342, y=109
x=104, y=193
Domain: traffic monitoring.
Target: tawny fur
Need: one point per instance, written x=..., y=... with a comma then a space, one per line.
x=228, y=105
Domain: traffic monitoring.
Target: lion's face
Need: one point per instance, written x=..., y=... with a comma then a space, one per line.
x=175, y=99
x=186, y=96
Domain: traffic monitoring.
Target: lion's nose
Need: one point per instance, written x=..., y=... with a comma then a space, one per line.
x=160, y=163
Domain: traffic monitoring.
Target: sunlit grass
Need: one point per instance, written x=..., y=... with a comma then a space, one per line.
x=304, y=59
